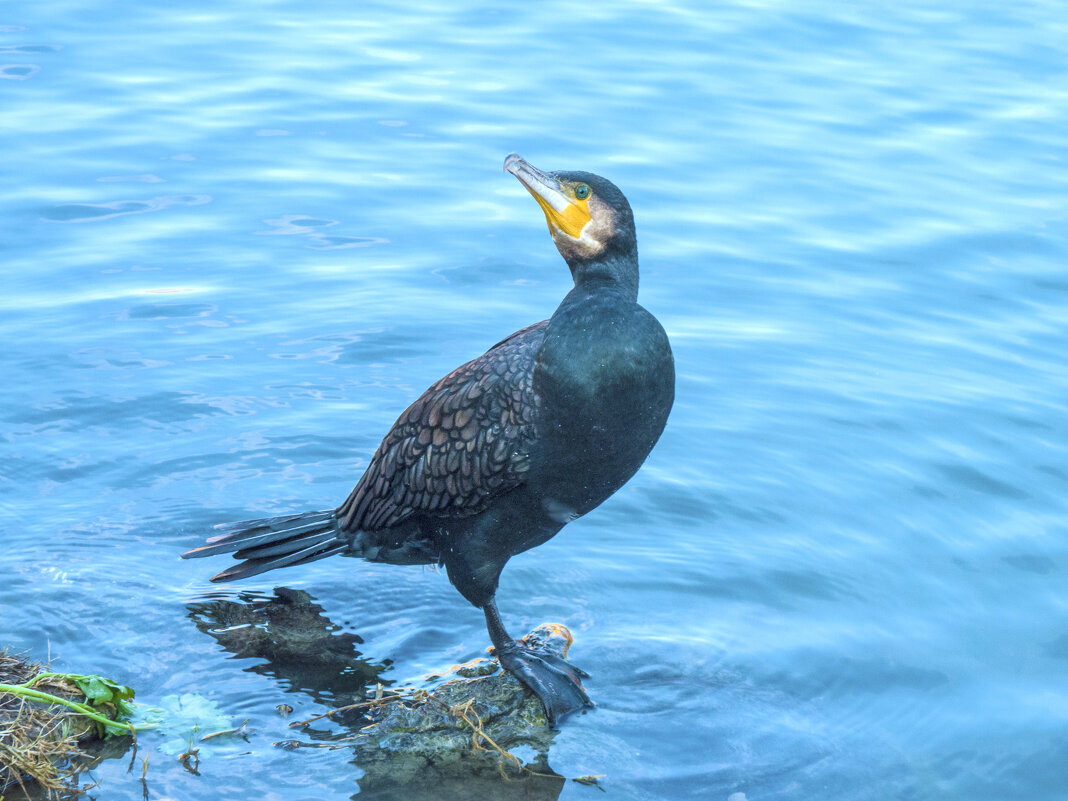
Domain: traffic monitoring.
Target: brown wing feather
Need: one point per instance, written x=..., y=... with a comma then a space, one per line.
x=461, y=443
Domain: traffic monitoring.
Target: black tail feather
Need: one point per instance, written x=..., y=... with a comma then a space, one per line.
x=274, y=542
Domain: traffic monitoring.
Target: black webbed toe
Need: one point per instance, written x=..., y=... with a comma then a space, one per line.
x=555, y=681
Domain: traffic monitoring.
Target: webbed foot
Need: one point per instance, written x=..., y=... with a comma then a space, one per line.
x=553, y=679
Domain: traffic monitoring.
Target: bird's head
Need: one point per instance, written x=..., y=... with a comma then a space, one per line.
x=589, y=218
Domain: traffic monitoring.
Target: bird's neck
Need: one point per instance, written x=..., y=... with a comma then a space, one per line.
x=613, y=274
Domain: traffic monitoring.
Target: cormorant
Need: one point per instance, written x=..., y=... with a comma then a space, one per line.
x=501, y=453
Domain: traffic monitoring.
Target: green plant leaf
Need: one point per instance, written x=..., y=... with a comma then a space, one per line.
x=106, y=695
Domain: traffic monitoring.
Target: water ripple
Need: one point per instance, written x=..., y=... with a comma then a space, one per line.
x=95, y=212
x=839, y=573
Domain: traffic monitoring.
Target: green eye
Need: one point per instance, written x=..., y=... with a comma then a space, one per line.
x=582, y=191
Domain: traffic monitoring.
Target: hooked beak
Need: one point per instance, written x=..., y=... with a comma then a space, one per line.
x=563, y=211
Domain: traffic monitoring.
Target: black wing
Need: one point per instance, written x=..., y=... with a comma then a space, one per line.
x=463, y=442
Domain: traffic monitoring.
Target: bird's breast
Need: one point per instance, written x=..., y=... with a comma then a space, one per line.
x=605, y=377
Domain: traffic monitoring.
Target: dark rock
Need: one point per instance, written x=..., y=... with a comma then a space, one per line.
x=462, y=733
x=474, y=732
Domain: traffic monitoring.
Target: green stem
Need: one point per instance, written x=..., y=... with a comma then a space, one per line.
x=25, y=691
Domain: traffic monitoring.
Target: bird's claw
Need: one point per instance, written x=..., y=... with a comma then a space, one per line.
x=555, y=681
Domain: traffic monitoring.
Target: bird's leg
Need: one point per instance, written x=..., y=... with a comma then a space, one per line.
x=556, y=682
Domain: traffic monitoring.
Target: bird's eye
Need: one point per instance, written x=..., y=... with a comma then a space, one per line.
x=582, y=191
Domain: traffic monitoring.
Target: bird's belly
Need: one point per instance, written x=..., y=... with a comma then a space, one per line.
x=593, y=453
x=597, y=464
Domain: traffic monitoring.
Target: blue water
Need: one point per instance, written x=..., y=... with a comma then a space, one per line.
x=238, y=238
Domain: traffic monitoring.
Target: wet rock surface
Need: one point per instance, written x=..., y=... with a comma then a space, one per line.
x=472, y=732
x=468, y=725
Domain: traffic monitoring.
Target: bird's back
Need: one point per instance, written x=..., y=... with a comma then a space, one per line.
x=461, y=444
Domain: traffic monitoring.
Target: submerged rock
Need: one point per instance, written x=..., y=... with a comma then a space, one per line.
x=475, y=695
x=465, y=729
x=455, y=737
x=460, y=738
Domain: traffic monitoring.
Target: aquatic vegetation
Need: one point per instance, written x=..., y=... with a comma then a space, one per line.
x=105, y=701
x=44, y=714
x=181, y=719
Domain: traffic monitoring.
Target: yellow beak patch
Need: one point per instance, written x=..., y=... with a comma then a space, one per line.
x=571, y=219
x=563, y=211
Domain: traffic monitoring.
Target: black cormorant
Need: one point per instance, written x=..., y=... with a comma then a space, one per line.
x=501, y=453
